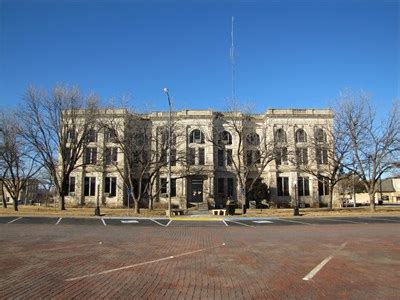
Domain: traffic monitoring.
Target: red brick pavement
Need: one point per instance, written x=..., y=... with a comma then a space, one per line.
x=255, y=263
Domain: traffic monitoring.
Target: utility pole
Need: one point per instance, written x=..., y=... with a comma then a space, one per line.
x=166, y=91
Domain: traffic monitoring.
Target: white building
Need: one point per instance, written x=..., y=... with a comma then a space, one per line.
x=215, y=145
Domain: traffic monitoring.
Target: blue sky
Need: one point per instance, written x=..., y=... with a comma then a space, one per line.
x=288, y=53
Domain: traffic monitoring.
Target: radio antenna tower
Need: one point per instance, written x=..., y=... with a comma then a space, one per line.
x=232, y=58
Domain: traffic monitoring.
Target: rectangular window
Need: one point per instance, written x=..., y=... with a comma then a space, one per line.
x=173, y=157
x=164, y=156
x=323, y=186
x=71, y=184
x=220, y=158
x=303, y=186
x=173, y=187
x=322, y=156
x=191, y=156
x=201, y=156
x=164, y=186
x=229, y=157
x=283, y=186
x=91, y=156
x=110, y=187
x=281, y=158
x=90, y=186
x=249, y=158
x=257, y=157
x=111, y=155
x=163, y=183
x=220, y=186
x=302, y=156
x=230, y=187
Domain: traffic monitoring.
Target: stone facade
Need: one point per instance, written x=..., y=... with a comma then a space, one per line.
x=209, y=176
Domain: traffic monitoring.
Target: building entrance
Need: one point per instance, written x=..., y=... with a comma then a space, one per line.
x=196, y=190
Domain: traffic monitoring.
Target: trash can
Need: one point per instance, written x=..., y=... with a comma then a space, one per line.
x=231, y=209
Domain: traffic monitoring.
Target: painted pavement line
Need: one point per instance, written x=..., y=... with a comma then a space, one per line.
x=318, y=268
x=381, y=219
x=243, y=224
x=298, y=222
x=12, y=221
x=262, y=222
x=129, y=221
x=225, y=222
x=158, y=223
x=142, y=263
x=348, y=221
x=168, y=223
x=58, y=221
x=104, y=222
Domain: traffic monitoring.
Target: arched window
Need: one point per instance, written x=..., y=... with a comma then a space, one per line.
x=91, y=135
x=71, y=134
x=301, y=136
x=320, y=135
x=225, y=138
x=110, y=135
x=280, y=136
x=196, y=136
x=253, y=139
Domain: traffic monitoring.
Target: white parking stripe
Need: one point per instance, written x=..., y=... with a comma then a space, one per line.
x=348, y=221
x=390, y=220
x=58, y=221
x=262, y=222
x=225, y=222
x=240, y=223
x=298, y=222
x=143, y=263
x=168, y=223
x=14, y=220
x=129, y=221
x=104, y=222
x=322, y=264
x=158, y=223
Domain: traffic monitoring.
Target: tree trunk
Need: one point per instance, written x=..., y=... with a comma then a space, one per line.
x=4, y=198
x=372, y=201
x=62, y=202
x=15, y=204
x=330, y=204
x=137, y=209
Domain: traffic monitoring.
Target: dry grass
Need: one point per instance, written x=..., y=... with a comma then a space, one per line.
x=77, y=212
x=325, y=212
x=123, y=212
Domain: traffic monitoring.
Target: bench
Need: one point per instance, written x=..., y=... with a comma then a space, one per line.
x=219, y=212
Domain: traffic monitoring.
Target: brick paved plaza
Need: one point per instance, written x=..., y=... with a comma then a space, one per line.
x=206, y=260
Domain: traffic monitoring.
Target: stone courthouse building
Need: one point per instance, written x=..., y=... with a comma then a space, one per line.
x=209, y=150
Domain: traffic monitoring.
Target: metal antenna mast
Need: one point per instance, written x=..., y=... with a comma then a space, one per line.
x=232, y=56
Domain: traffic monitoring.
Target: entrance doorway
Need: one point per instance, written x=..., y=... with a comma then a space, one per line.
x=196, y=190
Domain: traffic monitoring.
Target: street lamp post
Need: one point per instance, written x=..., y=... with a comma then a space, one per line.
x=166, y=91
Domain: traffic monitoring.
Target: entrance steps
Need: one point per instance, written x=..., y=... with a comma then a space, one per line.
x=198, y=209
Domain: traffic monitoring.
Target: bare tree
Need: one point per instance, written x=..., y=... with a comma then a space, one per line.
x=252, y=151
x=375, y=144
x=144, y=154
x=56, y=125
x=19, y=164
x=331, y=146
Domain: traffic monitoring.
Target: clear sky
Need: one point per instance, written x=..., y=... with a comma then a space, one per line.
x=288, y=53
